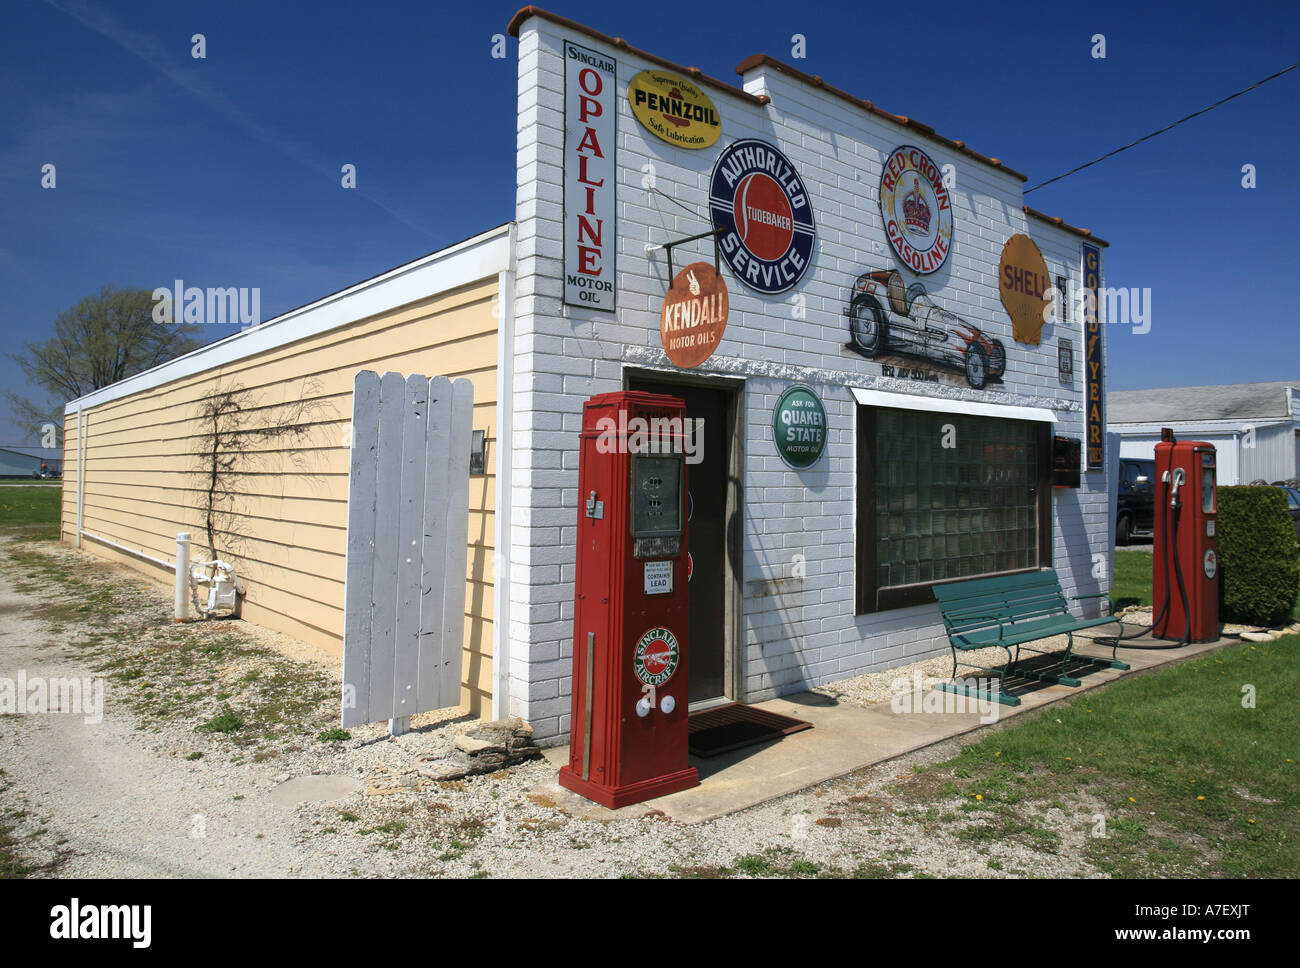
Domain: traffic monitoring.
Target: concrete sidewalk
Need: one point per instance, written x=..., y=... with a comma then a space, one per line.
x=846, y=738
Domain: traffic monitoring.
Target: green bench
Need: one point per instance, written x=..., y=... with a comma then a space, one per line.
x=1008, y=612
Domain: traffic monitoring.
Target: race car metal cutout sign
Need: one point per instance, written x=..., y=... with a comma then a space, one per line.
x=673, y=109
x=656, y=656
x=759, y=204
x=888, y=318
x=917, y=209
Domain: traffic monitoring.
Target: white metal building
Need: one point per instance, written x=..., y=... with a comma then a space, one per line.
x=1254, y=426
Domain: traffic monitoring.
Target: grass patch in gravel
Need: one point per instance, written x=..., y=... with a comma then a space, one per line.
x=1164, y=774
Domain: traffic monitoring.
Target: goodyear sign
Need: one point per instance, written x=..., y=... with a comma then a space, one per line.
x=673, y=109
x=1094, y=398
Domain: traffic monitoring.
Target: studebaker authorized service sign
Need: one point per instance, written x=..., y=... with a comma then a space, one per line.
x=590, y=145
x=917, y=209
x=759, y=203
x=694, y=316
x=1094, y=398
x=673, y=109
x=799, y=427
x=1022, y=281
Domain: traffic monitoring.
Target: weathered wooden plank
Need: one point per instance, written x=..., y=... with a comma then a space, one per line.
x=433, y=581
x=359, y=572
x=410, y=530
x=453, y=604
x=392, y=399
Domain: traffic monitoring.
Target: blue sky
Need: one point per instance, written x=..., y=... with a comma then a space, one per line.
x=225, y=171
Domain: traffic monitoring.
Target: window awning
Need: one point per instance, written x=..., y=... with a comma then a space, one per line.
x=912, y=401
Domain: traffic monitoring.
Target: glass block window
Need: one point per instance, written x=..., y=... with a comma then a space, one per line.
x=946, y=496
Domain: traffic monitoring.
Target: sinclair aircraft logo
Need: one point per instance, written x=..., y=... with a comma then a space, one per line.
x=759, y=204
x=656, y=656
x=917, y=209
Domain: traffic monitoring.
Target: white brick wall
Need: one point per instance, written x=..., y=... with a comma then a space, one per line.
x=807, y=634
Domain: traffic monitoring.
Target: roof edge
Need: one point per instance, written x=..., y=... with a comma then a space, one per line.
x=758, y=60
x=694, y=73
x=1062, y=224
x=462, y=263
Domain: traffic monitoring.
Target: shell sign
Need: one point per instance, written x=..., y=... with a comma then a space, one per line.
x=1022, y=283
x=673, y=109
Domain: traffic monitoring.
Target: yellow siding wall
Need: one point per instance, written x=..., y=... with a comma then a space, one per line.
x=144, y=481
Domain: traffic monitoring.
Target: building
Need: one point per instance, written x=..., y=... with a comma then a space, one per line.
x=28, y=462
x=870, y=270
x=1254, y=426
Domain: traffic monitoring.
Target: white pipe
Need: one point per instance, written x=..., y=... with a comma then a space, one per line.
x=182, y=600
x=505, y=460
x=130, y=551
x=81, y=471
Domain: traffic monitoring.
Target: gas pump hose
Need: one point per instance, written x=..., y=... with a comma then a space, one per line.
x=1164, y=607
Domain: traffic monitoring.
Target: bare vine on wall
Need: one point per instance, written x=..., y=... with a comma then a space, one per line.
x=236, y=429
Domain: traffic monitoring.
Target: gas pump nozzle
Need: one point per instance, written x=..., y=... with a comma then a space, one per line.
x=1180, y=478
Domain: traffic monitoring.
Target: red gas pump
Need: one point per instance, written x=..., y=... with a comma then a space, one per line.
x=629, y=732
x=1186, y=560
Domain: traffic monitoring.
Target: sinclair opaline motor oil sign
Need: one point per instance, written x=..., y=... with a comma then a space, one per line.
x=590, y=177
x=673, y=109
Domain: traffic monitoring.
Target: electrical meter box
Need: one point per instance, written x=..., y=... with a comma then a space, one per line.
x=629, y=732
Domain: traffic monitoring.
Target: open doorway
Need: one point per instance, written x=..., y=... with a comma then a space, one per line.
x=715, y=517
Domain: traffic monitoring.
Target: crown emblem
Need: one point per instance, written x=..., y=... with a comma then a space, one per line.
x=916, y=213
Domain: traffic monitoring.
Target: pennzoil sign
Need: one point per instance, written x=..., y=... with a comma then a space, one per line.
x=673, y=109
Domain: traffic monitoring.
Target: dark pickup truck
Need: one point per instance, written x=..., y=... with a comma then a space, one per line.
x=1136, y=510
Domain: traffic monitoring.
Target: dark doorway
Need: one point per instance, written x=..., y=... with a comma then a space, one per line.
x=707, y=486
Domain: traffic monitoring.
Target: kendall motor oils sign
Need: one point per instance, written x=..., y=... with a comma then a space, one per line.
x=673, y=109
x=590, y=177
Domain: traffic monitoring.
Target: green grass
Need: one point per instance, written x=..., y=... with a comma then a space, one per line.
x=30, y=504
x=1187, y=781
x=1132, y=585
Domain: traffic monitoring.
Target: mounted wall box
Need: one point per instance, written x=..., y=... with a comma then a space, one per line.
x=1067, y=460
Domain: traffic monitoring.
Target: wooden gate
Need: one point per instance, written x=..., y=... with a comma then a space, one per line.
x=408, y=522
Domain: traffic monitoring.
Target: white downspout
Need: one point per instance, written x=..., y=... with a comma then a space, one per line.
x=505, y=466
x=81, y=470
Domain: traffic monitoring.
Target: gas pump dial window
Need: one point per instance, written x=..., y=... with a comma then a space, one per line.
x=1207, y=490
x=656, y=496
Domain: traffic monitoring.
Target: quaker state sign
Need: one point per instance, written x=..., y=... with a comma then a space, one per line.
x=673, y=109
x=799, y=427
x=1022, y=281
x=655, y=658
x=917, y=209
x=694, y=316
x=761, y=207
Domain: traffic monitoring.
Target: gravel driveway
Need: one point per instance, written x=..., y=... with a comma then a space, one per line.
x=167, y=785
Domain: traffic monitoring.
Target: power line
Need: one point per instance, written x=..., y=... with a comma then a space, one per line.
x=1175, y=124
